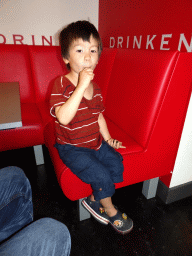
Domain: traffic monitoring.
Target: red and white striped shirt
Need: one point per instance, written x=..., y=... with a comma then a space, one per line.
x=83, y=130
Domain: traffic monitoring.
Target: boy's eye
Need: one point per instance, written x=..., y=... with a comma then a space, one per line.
x=79, y=50
x=93, y=51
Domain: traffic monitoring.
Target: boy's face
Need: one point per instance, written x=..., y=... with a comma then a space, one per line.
x=83, y=54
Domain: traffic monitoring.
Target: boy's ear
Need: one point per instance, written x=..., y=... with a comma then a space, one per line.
x=66, y=61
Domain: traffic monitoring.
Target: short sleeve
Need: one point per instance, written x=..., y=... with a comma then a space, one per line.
x=58, y=97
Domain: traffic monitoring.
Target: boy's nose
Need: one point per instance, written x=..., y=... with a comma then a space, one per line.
x=87, y=56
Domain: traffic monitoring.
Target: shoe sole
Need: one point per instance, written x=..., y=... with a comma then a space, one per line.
x=121, y=232
x=94, y=214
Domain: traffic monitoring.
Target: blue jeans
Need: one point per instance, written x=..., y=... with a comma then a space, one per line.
x=101, y=168
x=43, y=237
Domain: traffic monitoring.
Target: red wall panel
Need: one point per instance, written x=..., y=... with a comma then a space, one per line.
x=146, y=24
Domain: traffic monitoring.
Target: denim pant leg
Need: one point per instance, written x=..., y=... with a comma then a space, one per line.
x=44, y=237
x=84, y=163
x=16, y=207
x=112, y=160
x=99, y=177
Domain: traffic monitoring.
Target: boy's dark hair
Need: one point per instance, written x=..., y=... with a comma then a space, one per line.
x=75, y=30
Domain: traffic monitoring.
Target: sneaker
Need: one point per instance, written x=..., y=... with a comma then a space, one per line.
x=121, y=223
x=96, y=210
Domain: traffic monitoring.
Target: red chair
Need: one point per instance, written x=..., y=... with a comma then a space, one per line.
x=15, y=66
x=146, y=94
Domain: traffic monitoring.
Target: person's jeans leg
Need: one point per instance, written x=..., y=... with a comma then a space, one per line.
x=44, y=237
x=16, y=207
x=112, y=160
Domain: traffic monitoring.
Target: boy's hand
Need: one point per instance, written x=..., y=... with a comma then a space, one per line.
x=85, y=77
x=115, y=143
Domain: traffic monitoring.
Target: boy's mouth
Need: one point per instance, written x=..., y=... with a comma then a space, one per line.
x=87, y=67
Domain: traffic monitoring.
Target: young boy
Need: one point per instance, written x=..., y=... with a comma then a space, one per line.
x=83, y=140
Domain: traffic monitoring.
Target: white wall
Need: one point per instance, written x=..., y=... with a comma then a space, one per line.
x=182, y=172
x=32, y=19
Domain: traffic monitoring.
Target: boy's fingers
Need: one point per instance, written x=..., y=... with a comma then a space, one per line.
x=115, y=144
x=120, y=145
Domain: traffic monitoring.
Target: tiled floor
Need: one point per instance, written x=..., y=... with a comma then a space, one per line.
x=159, y=229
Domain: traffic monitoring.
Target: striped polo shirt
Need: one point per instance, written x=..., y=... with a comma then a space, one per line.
x=83, y=130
